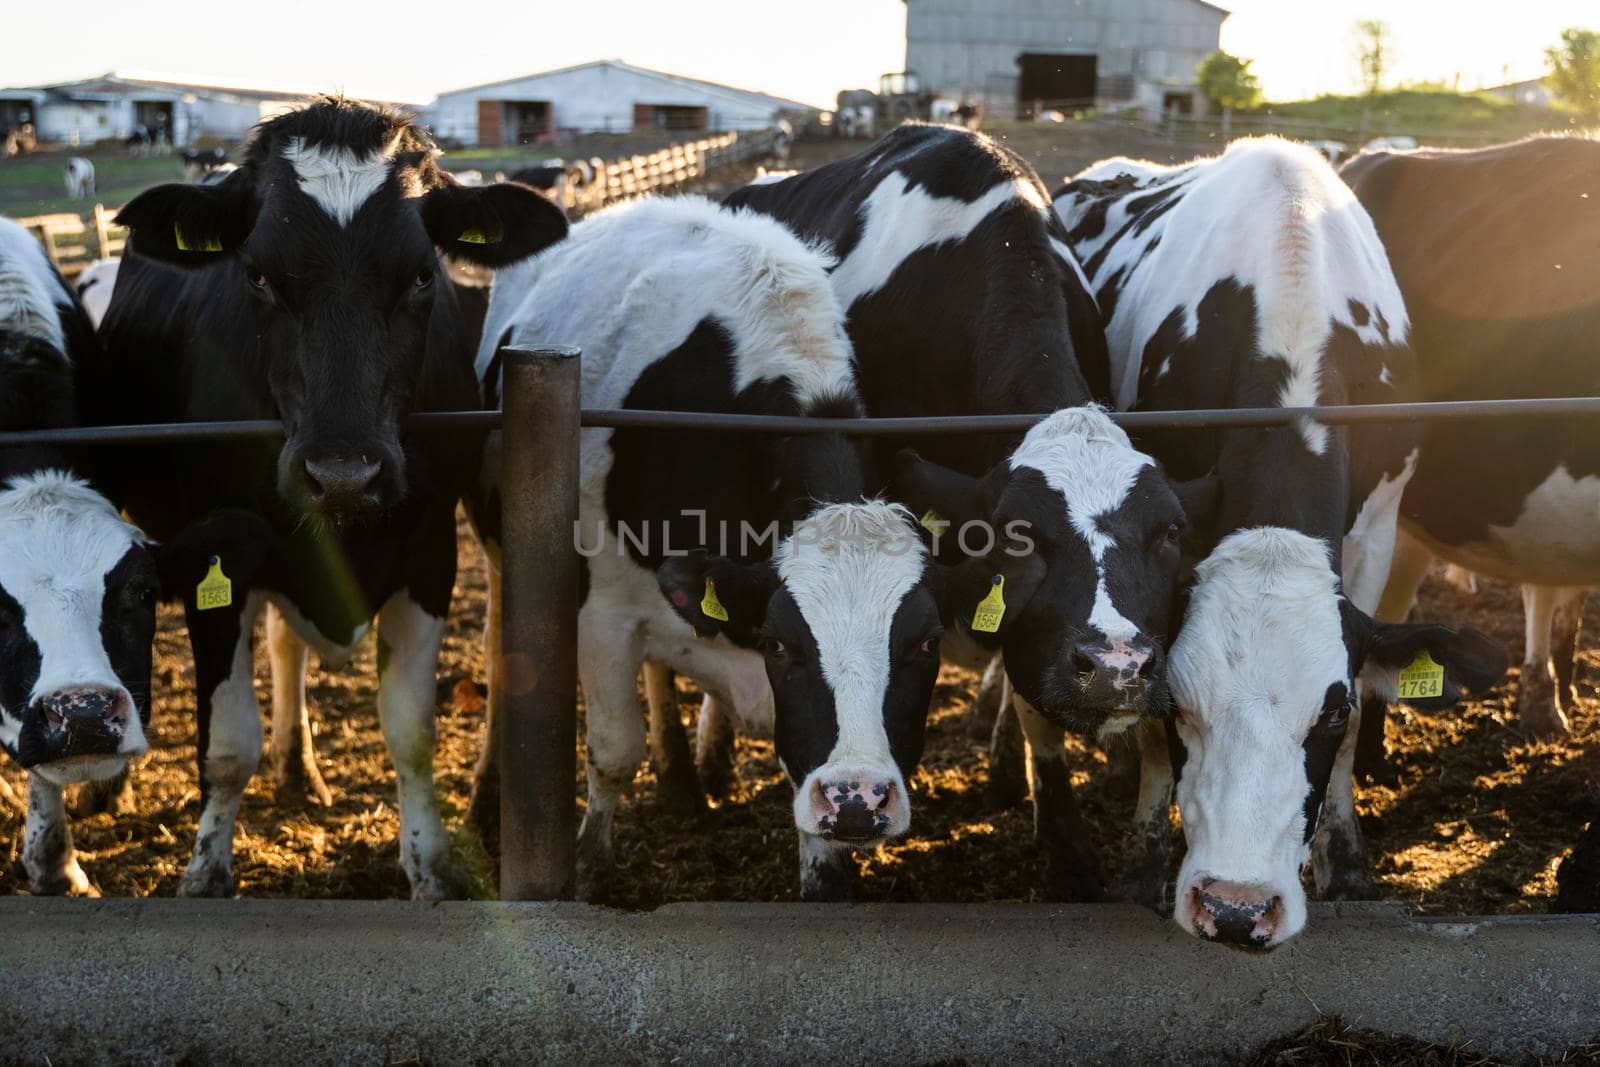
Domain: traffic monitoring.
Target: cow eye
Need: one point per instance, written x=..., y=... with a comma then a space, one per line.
x=776, y=649
x=259, y=283
x=1336, y=718
x=1174, y=531
x=423, y=280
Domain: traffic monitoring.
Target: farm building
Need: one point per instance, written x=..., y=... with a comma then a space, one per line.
x=1019, y=54
x=111, y=106
x=607, y=96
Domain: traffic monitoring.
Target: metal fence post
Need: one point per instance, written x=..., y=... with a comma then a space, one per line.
x=539, y=636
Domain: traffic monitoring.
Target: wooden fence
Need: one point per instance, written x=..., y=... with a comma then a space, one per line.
x=65, y=236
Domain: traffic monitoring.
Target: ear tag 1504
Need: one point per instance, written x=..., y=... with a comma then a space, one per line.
x=215, y=589
x=210, y=244
x=710, y=606
x=992, y=608
x=1423, y=678
x=933, y=522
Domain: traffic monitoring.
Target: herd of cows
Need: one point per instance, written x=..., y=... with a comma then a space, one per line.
x=1235, y=599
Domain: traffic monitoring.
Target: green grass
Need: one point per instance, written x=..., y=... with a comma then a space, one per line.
x=32, y=184
x=1421, y=111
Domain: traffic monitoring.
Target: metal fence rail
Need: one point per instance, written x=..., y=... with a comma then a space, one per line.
x=539, y=457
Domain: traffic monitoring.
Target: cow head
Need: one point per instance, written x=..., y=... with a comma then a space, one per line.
x=1264, y=673
x=328, y=237
x=1079, y=534
x=78, y=590
x=846, y=614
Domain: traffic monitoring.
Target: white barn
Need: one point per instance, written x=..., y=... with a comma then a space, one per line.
x=1016, y=55
x=108, y=108
x=606, y=96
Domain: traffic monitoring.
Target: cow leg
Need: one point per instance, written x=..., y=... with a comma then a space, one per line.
x=1008, y=755
x=1537, y=703
x=616, y=741
x=1406, y=573
x=1071, y=863
x=677, y=786
x=713, y=746
x=295, y=776
x=1339, y=851
x=408, y=662
x=47, y=856
x=989, y=701
x=483, y=811
x=826, y=871
x=1149, y=860
x=114, y=795
x=1565, y=627
x=230, y=740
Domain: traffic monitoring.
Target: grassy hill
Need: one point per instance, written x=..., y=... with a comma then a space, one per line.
x=1423, y=111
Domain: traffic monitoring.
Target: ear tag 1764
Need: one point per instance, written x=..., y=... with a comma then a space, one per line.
x=209, y=244
x=215, y=589
x=933, y=522
x=992, y=608
x=1423, y=678
x=710, y=606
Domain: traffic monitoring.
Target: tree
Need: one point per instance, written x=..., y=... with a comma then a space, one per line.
x=1227, y=82
x=1575, y=72
x=1374, y=53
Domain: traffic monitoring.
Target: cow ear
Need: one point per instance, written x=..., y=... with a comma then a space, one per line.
x=983, y=597
x=191, y=225
x=236, y=542
x=1422, y=664
x=937, y=496
x=719, y=595
x=491, y=225
x=1200, y=499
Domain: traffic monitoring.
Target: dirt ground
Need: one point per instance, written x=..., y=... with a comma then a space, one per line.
x=1476, y=823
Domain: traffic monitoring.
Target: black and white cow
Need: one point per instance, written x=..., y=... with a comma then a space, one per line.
x=78, y=177
x=962, y=298
x=766, y=543
x=77, y=583
x=1255, y=279
x=307, y=286
x=1497, y=252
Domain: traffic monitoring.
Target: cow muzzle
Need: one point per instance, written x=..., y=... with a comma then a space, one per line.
x=852, y=806
x=1235, y=914
x=81, y=721
x=343, y=484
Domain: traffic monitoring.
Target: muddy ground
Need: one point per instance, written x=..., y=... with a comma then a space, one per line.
x=1477, y=821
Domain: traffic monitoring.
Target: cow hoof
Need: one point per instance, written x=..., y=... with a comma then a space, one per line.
x=595, y=872
x=443, y=884
x=206, y=882
x=1536, y=704
x=714, y=760
x=66, y=881
x=1352, y=886
x=301, y=789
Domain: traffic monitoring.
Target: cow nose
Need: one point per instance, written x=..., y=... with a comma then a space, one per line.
x=855, y=808
x=340, y=482
x=1116, y=670
x=1231, y=913
x=84, y=718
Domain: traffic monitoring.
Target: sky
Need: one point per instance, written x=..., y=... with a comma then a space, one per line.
x=807, y=50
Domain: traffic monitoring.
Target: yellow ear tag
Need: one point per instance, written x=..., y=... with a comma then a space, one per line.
x=475, y=236
x=1423, y=678
x=933, y=522
x=992, y=608
x=710, y=606
x=210, y=244
x=215, y=589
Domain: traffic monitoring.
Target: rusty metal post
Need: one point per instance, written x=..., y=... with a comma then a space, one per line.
x=539, y=636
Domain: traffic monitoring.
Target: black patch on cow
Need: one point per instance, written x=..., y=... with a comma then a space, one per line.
x=20, y=662
x=809, y=729
x=1321, y=748
x=1359, y=314
x=128, y=622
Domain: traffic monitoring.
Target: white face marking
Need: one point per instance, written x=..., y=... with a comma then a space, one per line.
x=30, y=297
x=1273, y=216
x=336, y=177
x=58, y=540
x=1089, y=460
x=899, y=220
x=848, y=567
x=630, y=283
x=1261, y=643
x=95, y=286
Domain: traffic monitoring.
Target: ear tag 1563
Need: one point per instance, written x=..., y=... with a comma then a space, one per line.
x=1423, y=678
x=210, y=244
x=710, y=606
x=992, y=608
x=215, y=589
x=933, y=522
